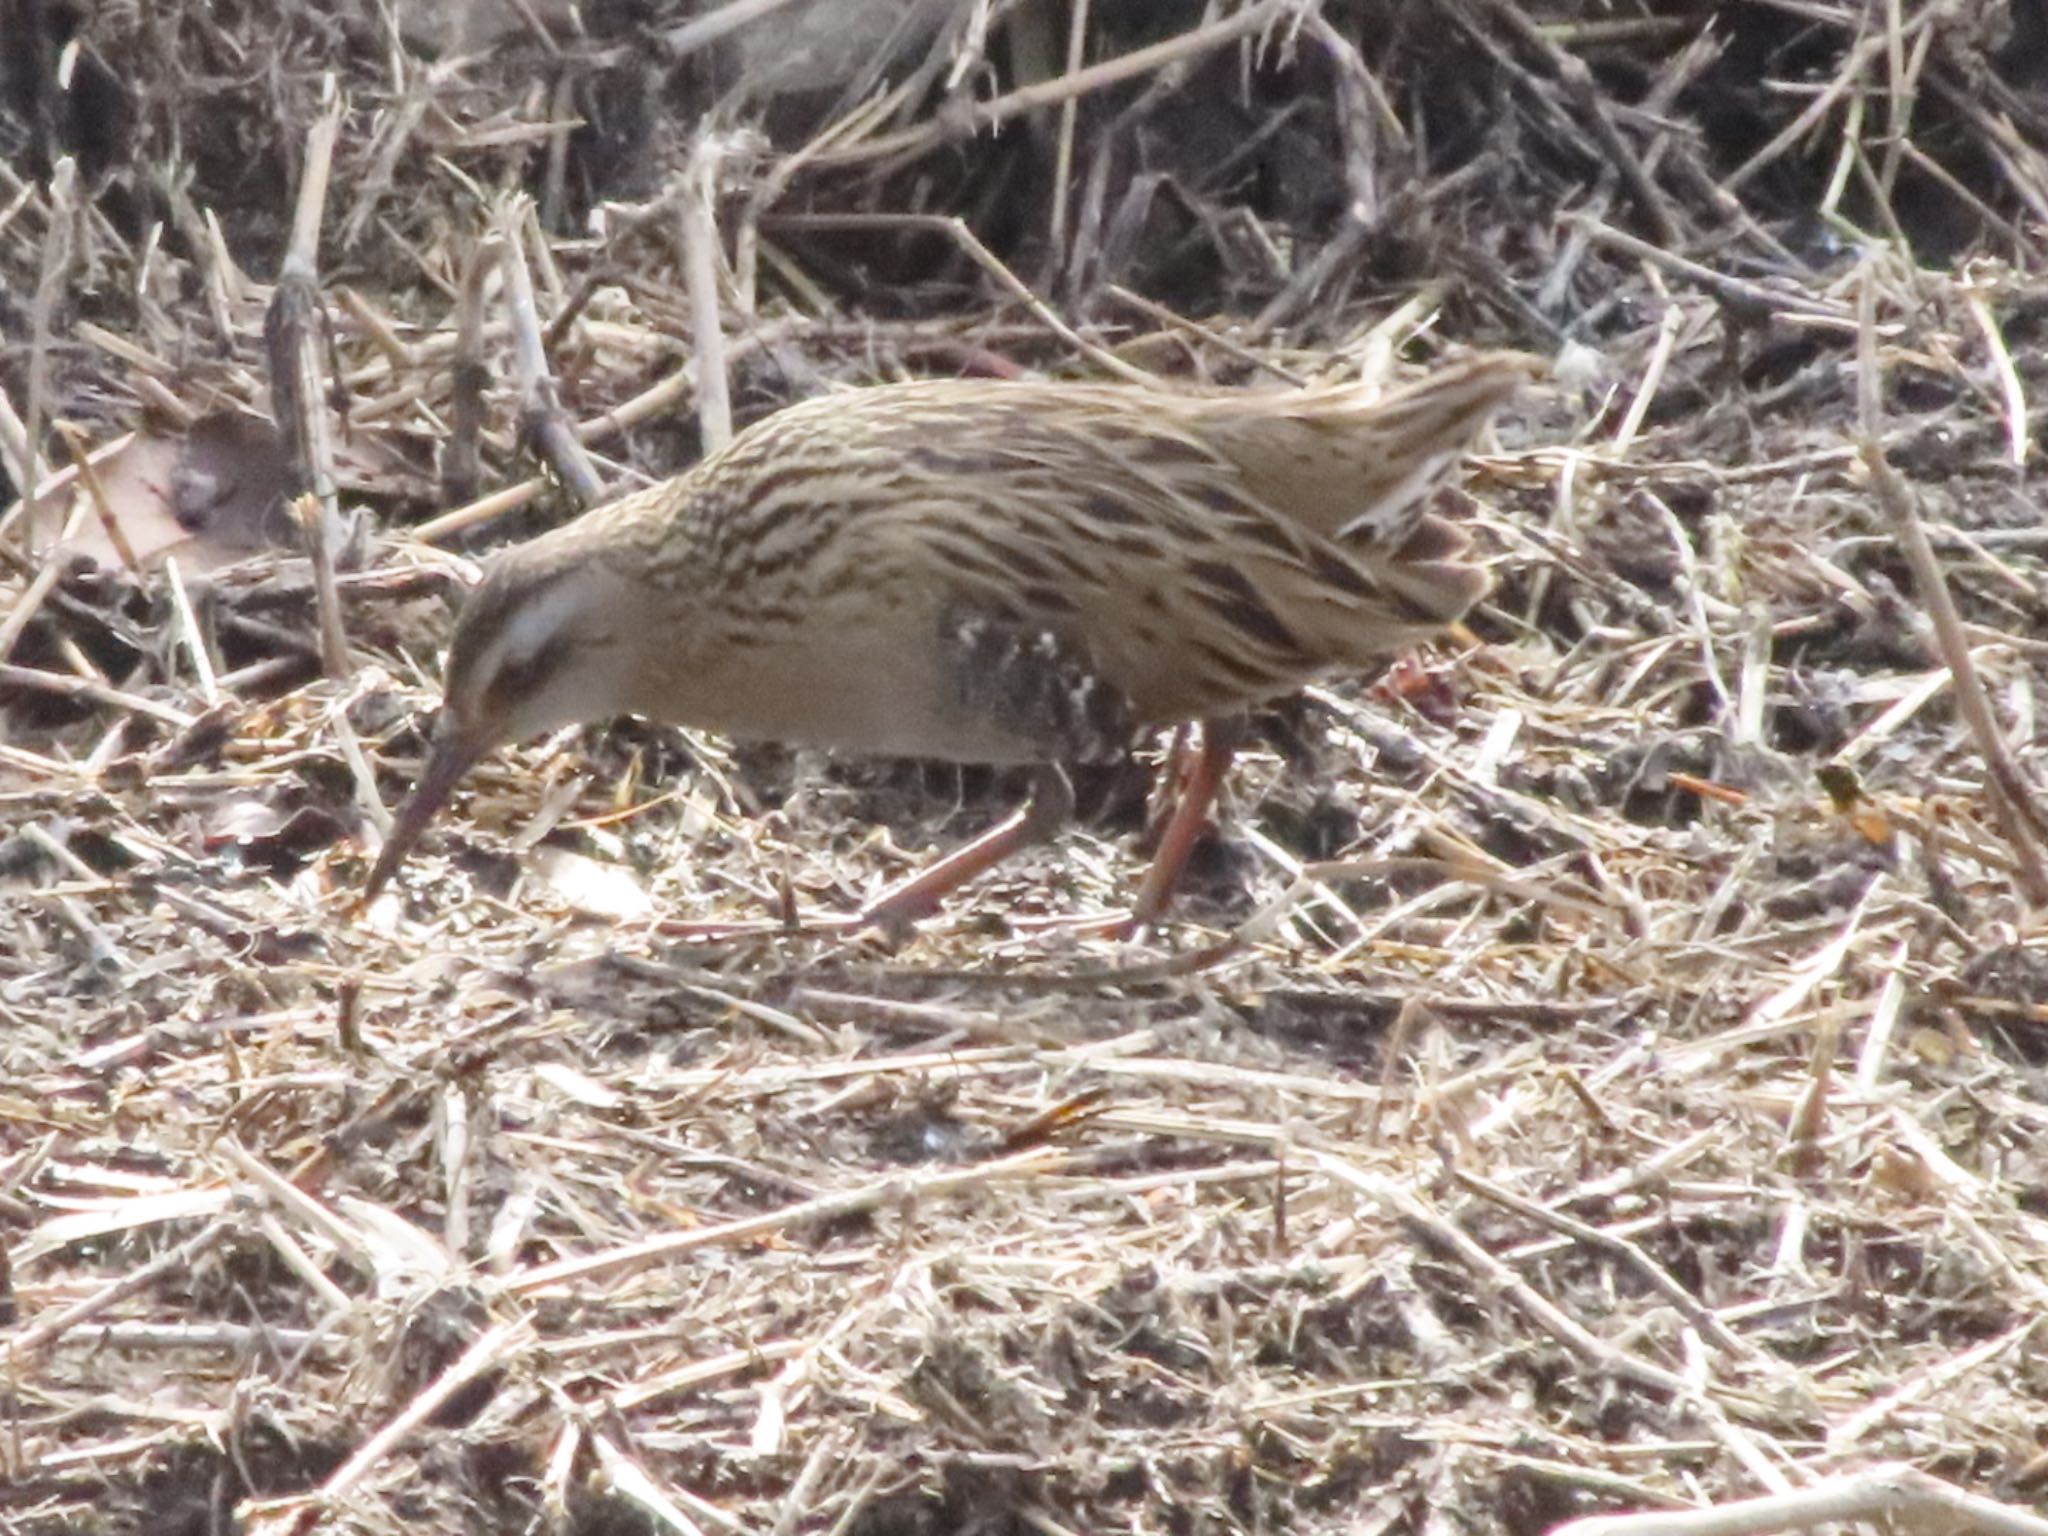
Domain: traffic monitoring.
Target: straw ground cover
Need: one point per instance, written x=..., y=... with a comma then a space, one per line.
x=1593, y=1075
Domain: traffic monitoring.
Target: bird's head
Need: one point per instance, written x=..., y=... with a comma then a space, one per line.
x=541, y=643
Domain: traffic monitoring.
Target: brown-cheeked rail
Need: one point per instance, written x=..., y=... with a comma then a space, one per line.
x=986, y=572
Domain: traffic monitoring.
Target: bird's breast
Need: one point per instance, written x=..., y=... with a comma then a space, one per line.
x=872, y=678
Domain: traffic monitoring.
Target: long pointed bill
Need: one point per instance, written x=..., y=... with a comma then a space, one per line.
x=452, y=756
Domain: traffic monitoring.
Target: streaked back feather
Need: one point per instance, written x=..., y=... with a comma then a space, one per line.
x=1206, y=551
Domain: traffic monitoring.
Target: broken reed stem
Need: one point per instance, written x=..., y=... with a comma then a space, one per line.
x=1063, y=148
x=2012, y=391
x=1896, y=1497
x=991, y=114
x=66, y=685
x=542, y=421
x=2012, y=799
x=96, y=496
x=702, y=31
x=189, y=633
x=311, y=207
x=312, y=521
x=490, y=1350
x=293, y=328
x=483, y=510
x=1697, y=1314
x=867, y=1197
x=697, y=216
x=172, y=1261
x=1752, y=300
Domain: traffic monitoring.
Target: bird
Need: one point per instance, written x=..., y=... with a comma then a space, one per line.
x=997, y=571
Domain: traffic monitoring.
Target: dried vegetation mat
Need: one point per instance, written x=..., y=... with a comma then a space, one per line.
x=1595, y=1076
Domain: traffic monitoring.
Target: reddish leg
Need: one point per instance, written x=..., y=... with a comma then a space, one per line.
x=1048, y=809
x=1198, y=786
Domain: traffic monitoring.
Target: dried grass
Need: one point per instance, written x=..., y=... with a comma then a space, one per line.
x=1599, y=1070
